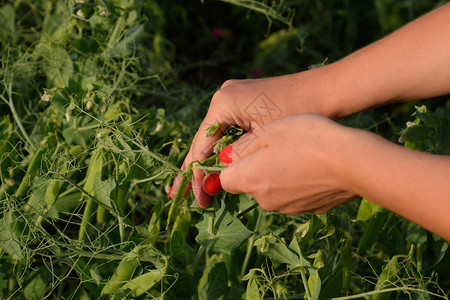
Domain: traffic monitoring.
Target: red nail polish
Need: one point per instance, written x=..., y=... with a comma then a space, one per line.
x=211, y=184
x=170, y=191
x=226, y=156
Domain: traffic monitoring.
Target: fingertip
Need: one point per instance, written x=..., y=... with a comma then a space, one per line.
x=175, y=185
x=203, y=199
x=204, y=202
x=211, y=184
x=226, y=155
x=169, y=194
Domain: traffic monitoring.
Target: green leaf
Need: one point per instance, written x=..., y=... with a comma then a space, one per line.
x=372, y=232
x=58, y=69
x=180, y=248
x=367, y=210
x=307, y=230
x=314, y=281
x=7, y=23
x=79, y=135
x=387, y=277
x=335, y=277
x=212, y=129
x=85, y=274
x=36, y=287
x=144, y=282
x=416, y=234
x=10, y=235
x=234, y=293
x=226, y=239
x=103, y=189
x=65, y=204
x=216, y=286
x=253, y=284
x=280, y=253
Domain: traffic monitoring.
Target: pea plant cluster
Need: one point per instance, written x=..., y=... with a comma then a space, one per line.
x=93, y=129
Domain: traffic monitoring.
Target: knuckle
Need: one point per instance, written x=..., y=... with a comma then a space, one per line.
x=220, y=96
x=321, y=210
x=229, y=82
x=224, y=179
x=266, y=205
x=217, y=98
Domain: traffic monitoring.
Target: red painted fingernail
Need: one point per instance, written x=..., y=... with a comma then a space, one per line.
x=170, y=191
x=211, y=184
x=226, y=155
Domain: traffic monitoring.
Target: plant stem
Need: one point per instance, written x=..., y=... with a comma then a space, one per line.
x=251, y=207
x=197, y=257
x=305, y=282
x=395, y=289
x=139, y=145
x=263, y=8
x=100, y=255
x=251, y=240
x=207, y=168
x=16, y=118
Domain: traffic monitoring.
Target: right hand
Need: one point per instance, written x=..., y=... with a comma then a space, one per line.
x=248, y=103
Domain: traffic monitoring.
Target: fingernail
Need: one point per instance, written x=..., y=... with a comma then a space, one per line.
x=226, y=156
x=170, y=191
x=211, y=184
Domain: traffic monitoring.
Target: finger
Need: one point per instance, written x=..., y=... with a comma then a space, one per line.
x=231, y=82
x=247, y=144
x=202, y=198
x=243, y=176
x=175, y=185
x=196, y=155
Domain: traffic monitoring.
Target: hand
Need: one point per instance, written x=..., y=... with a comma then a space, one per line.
x=249, y=103
x=288, y=165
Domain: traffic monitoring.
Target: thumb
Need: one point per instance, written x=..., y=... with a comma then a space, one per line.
x=241, y=176
x=236, y=178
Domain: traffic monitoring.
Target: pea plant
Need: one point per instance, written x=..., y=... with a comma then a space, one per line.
x=92, y=133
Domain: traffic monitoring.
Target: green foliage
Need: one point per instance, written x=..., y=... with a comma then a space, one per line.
x=99, y=101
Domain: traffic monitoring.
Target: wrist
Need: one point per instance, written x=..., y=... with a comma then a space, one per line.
x=313, y=92
x=343, y=163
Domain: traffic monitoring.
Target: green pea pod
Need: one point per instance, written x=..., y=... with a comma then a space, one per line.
x=102, y=216
x=253, y=285
x=53, y=188
x=32, y=169
x=174, y=207
x=122, y=196
x=183, y=221
x=145, y=282
x=154, y=226
x=124, y=271
x=95, y=166
x=387, y=276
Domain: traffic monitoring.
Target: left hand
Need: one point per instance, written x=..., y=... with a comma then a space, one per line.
x=290, y=165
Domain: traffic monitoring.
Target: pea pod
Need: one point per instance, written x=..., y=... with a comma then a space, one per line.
x=145, y=282
x=32, y=169
x=124, y=271
x=154, y=226
x=174, y=207
x=387, y=276
x=95, y=167
x=102, y=216
x=253, y=285
x=53, y=188
x=121, y=196
x=183, y=221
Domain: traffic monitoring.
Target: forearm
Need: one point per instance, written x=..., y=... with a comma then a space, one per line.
x=411, y=63
x=414, y=184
